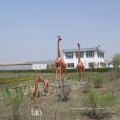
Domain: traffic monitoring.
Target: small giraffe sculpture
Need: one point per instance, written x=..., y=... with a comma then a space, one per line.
x=45, y=87
x=36, y=91
x=59, y=63
x=80, y=64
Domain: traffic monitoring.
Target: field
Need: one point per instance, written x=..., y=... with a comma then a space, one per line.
x=98, y=99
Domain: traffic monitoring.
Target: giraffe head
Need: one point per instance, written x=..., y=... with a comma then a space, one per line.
x=39, y=78
x=78, y=44
x=59, y=38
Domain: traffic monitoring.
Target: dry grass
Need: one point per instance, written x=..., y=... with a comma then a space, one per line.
x=52, y=108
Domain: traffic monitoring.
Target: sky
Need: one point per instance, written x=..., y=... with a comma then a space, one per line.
x=29, y=28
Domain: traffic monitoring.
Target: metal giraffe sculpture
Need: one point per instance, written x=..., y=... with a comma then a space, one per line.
x=36, y=91
x=80, y=64
x=59, y=63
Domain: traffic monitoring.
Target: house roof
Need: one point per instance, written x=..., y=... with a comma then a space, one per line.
x=83, y=49
x=52, y=62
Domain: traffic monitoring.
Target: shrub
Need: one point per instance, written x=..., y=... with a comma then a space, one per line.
x=91, y=102
x=53, y=70
x=87, y=87
x=96, y=102
x=98, y=81
x=64, y=91
x=13, y=100
x=112, y=75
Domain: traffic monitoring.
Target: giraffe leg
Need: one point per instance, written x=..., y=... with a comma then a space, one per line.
x=38, y=102
x=47, y=87
x=77, y=74
x=60, y=77
x=81, y=74
x=84, y=74
x=61, y=71
x=56, y=75
x=65, y=74
x=44, y=89
x=34, y=103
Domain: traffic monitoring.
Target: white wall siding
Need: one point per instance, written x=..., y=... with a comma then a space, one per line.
x=84, y=60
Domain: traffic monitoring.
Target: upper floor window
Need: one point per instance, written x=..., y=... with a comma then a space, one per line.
x=100, y=55
x=90, y=54
x=103, y=55
x=81, y=54
x=69, y=55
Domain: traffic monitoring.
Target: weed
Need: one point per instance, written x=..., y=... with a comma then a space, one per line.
x=96, y=102
x=13, y=99
x=98, y=81
x=64, y=91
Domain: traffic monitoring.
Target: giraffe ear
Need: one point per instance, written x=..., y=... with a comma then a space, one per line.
x=37, y=74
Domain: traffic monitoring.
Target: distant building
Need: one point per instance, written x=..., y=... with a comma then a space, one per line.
x=36, y=65
x=90, y=57
x=108, y=63
x=39, y=66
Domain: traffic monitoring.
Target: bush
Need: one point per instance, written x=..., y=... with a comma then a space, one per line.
x=87, y=87
x=98, y=81
x=96, y=102
x=112, y=75
x=64, y=91
x=91, y=102
x=13, y=100
x=53, y=70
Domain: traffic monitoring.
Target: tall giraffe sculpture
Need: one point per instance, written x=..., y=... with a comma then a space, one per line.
x=80, y=64
x=59, y=63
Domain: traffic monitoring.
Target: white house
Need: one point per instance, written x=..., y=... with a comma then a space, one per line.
x=90, y=57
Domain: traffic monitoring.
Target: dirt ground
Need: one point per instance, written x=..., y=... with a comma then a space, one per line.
x=51, y=106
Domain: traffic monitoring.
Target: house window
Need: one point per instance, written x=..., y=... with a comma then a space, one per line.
x=90, y=54
x=100, y=55
x=81, y=54
x=103, y=55
x=69, y=55
x=70, y=65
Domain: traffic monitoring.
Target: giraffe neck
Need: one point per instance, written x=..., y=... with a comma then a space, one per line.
x=79, y=53
x=37, y=88
x=58, y=49
x=37, y=92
